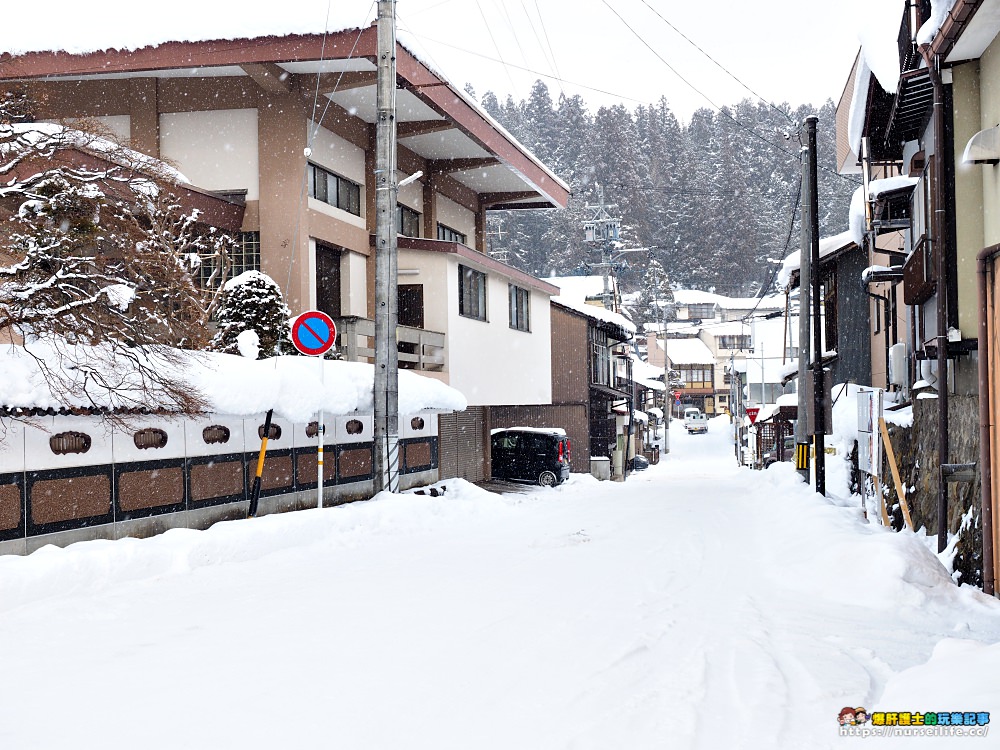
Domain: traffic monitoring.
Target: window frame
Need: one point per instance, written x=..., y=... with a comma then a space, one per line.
x=519, y=308
x=404, y=213
x=346, y=192
x=447, y=234
x=471, y=293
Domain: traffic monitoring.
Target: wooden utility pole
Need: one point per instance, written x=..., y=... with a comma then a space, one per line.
x=805, y=279
x=386, y=394
x=819, y=381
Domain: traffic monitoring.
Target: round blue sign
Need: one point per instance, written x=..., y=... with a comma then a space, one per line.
x=314, y=333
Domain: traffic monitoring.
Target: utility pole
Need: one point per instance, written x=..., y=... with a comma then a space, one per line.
x=386, y=389
x=603, y=228
x=805, y=330
x=819, y=381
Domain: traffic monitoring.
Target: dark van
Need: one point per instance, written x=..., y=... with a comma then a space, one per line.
x=531, y=454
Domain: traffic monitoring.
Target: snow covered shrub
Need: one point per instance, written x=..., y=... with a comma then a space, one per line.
x=253, y=301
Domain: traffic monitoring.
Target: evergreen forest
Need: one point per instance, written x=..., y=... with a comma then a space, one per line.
x=714, y=197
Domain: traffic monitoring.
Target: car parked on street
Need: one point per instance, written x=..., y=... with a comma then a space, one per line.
x=531, y=454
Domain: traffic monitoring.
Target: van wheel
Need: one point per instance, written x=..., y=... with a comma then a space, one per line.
x=547, y=479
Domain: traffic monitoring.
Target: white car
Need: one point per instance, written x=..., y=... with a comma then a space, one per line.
x=695, y=423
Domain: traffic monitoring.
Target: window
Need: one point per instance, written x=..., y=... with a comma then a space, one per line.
x=734, y=342
x=696, y=376
x=448, y=234
x=245, y=256
x=333, y=189
x=471, y=293
x=274, y=433
x=215, y=433
x=518, y=303
x=69, y=442
x=151, y=437
x=408, y=221
x=701, y=311
x=600, y=358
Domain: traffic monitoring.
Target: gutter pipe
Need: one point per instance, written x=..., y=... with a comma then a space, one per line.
x=937, y=239
x=985, y=418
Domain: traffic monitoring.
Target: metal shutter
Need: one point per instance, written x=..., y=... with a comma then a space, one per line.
x=461, y=444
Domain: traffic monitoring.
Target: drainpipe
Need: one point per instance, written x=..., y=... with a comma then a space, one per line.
x=985, y=418
x=937, y=239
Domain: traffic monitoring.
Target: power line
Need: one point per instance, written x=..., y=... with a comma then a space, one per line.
x=722, y=111
x=715, y=62
x=526, y=69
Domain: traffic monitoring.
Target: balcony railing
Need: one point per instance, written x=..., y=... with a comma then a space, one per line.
x=418, y=349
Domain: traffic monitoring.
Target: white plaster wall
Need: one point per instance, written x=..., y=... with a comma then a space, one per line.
x=337, y=155
x=195, y=441
x=458, y=218
x=38, y=454
x=434, y=273
x=120, y=125
x=989, y=89
x=354, y=273
x=492, y=364
x=412, y=196
x=215, y=150
x=12, y=446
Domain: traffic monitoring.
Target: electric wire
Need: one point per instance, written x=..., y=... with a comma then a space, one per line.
x=716, y=62
x=548, y=42
x=540, y=74
x=722, y=111
x=311, y=136
x=489, y=30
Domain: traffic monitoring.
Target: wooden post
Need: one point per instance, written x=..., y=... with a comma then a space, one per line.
x=891, y=455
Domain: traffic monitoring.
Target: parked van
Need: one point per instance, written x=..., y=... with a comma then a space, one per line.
x=531, y=454
x=695, y=421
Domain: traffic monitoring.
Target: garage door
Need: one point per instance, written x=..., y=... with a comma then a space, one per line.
x=461, y=444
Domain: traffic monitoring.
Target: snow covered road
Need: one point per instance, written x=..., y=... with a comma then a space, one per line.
x=698, y=605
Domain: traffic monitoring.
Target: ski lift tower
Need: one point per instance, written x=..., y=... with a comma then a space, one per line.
x=605, y=229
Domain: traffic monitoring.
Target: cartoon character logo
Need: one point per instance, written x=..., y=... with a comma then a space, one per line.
x=860, y=715
x=847, y=716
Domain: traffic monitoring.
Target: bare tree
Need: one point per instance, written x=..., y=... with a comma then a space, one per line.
x=102, y=256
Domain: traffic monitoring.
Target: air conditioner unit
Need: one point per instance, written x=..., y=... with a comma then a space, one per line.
x=897, y=364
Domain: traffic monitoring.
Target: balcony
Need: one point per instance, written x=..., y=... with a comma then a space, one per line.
x=418, y=349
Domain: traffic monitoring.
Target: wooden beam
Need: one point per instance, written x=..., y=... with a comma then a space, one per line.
x=447, y=166
x=422, y=127
x=490, y=199
x=330, y=83
x=268, y=76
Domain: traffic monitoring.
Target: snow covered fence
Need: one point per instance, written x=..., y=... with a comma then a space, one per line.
x=68, y=478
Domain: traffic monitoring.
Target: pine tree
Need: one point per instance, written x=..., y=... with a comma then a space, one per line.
x=253, y=301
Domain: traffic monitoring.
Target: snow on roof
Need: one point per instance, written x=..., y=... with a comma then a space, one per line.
x=939, y=12
x=68, y=30
x=573, y=293
x=827, y=246
x=187, y=21
x=297, y=388
x=695, y=297
x=689, y=352
x=875, y=187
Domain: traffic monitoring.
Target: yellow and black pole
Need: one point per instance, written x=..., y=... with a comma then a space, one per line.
x=255, y=490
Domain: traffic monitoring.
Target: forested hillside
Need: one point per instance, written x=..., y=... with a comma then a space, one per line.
x=716, y=196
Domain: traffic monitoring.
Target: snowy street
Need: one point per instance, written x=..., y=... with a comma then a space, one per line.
x=697, y=605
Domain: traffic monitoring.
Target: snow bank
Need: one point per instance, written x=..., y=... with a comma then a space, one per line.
x=297, y=388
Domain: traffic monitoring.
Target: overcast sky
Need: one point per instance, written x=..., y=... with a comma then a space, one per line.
x=608, y=51
x=634, y=51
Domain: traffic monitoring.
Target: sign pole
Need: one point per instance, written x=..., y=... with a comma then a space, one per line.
x=314, y=334
x=320, y=435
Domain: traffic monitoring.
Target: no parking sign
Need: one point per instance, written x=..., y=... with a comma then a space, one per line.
x=313, y=333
